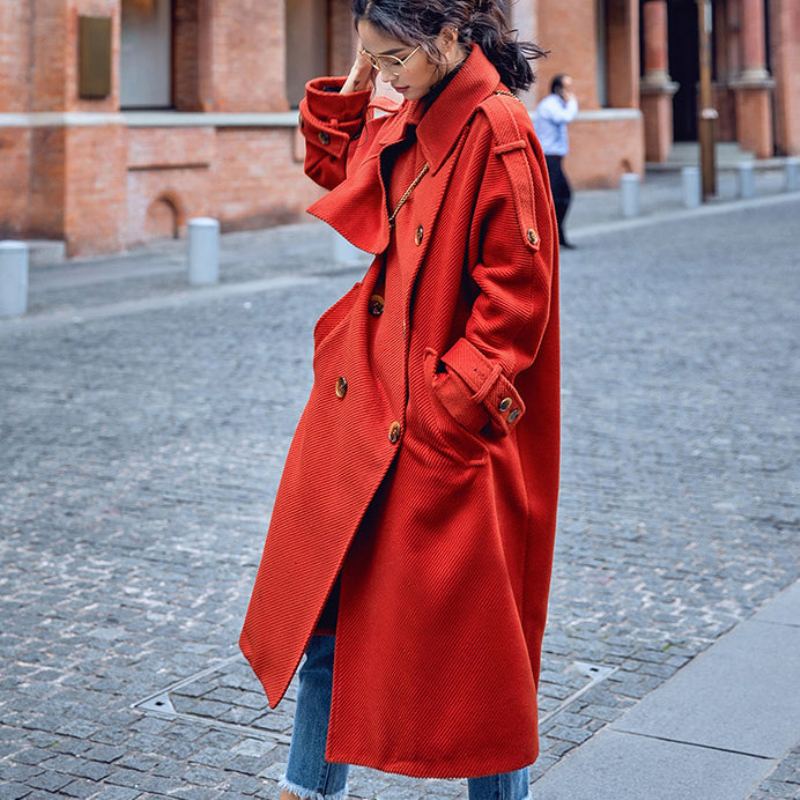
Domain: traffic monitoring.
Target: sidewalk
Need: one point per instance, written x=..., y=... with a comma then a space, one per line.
x=724, y=727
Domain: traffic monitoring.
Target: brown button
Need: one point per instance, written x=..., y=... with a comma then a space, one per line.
x=324, y=138
x=376, y=305
x=341, y=386
x=394, y=432
x=505, y=403
x=513, y=414
x=533, y=237
x=418, y=234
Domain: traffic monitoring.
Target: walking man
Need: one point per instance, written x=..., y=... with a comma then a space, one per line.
x=551, y=118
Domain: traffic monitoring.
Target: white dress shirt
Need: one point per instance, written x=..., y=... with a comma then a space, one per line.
x=550, y=122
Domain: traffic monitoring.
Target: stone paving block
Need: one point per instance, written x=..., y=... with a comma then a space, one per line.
x=117, y=793
x=14, y=791
x=80, y=788
x=50, y=781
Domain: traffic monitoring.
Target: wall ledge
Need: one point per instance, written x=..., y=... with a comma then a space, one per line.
x=149, y=119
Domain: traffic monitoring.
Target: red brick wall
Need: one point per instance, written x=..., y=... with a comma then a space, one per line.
x=94, y=188
x=568, y=31
x=600, y=151
x=247, y=56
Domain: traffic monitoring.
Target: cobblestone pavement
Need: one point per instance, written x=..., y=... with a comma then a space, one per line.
x=141, y=450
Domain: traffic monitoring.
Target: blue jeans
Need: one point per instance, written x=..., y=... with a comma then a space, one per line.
x=309, y=775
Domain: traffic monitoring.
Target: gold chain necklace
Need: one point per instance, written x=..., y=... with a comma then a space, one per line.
x=407, y=193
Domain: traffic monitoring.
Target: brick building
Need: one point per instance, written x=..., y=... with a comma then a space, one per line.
x=121, y=119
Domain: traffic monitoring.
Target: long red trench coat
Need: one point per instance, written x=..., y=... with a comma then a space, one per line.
x=436, y=496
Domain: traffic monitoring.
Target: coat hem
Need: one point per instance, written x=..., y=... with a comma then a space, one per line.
x=418, y=768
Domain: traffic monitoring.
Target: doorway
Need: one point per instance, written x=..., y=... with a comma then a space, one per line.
x=684, y=67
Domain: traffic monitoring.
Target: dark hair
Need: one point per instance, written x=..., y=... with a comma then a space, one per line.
x=481, y=21
x=557, y=82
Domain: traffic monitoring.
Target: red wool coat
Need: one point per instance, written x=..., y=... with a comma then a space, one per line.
x=431, y=492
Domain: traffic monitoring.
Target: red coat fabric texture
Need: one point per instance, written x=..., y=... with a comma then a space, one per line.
x=422, y=478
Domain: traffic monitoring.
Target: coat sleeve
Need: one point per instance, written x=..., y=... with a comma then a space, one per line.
x=514, y=221
x=331, y=123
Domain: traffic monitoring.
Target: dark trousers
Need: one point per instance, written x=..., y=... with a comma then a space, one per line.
x=562, y=191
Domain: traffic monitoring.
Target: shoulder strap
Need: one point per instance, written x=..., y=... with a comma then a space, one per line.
x=511, y=145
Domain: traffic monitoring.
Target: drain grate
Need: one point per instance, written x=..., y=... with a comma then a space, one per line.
x=228, y=696
x=581, y=672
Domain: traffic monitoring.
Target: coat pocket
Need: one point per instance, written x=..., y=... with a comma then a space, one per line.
x=450, y=424
x=333, y=316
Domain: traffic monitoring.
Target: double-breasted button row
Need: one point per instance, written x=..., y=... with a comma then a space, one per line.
x=341, y=386
x=419, y=234
x=376, y=303
x=394, y=432
x=505, y=404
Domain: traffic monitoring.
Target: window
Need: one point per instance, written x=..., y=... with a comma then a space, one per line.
x=146, y=54
x=306, y=45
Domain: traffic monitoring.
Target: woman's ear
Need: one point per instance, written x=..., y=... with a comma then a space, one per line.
x=449, y=37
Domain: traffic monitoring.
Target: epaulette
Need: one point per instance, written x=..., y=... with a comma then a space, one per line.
x=510, y=144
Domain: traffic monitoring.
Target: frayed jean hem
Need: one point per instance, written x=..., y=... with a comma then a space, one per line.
x=309, y=794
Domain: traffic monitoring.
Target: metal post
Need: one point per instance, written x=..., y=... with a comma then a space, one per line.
x=792, y=174
x=747, y=179
x=13, y=278
x=690, y=178
x=629, y=194
x=707, y=113
x=203, y=250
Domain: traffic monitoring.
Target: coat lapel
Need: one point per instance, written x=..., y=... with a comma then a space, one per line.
x=356, y=208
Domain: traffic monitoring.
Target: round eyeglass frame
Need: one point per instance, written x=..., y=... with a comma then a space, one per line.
x=399, y=62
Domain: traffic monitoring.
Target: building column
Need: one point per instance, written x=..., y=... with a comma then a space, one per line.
x=753, y=86
x=656, y=88
x=785, y=48
x=77, y=189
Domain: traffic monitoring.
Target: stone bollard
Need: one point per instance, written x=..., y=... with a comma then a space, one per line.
x=692, y=189
x=203, y=251
x=747, y=179
x=792, y=174
x=630, y=194
x=13, y=278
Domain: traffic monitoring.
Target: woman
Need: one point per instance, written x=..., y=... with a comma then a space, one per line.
x=412, y=532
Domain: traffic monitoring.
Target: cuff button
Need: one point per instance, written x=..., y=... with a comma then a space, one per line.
x=513, y=414
x=505, y=403
x=324, y=138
